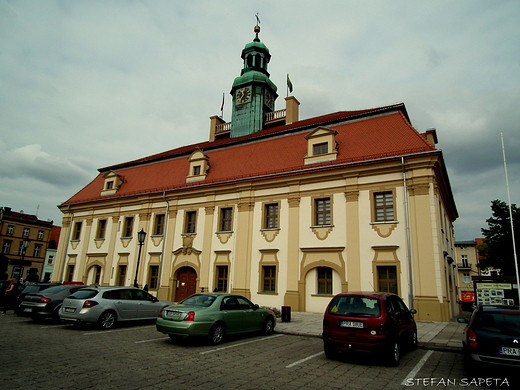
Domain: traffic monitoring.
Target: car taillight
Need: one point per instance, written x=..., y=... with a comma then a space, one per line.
x=160, y=312
x=325, y=324
x=88, y=304
x=44, y=300
x=190, y=316
x=471, y=336
x=383, y=329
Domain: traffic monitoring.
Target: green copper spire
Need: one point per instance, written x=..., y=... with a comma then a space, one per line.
x=253, y=92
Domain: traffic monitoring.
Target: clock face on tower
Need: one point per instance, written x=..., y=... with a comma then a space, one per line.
x=243, y=95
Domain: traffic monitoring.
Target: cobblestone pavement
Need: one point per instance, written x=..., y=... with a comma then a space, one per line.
x=58, y=356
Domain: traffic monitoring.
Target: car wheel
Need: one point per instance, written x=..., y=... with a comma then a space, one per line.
x=107, y=320
x=394, y=354
x=216, y=334
x=268, y=326
x=330, y=351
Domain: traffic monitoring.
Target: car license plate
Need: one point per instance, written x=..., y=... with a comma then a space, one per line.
x=509, y=351
x=351, y=324
x=69, y=310
x=27, y=310
x=173, y=314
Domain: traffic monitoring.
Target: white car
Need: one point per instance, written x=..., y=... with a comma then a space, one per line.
x=108, y=305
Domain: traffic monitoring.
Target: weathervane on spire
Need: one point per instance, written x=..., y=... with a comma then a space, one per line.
x=257, y=28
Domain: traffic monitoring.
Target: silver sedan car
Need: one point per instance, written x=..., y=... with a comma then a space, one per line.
x=108, y=305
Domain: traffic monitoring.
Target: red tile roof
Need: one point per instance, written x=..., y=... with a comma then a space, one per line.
x=361, y=136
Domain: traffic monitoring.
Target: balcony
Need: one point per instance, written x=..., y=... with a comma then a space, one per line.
x=270, y=117
x=464, y=266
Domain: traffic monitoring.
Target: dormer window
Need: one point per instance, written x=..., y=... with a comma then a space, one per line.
x=321, y=146
x=113, y=182
x=199, y=166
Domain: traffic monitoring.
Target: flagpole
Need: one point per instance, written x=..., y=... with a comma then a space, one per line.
x=511, y=218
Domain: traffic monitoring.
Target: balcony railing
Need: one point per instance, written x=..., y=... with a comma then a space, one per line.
x=462, y=266
x=269, y=117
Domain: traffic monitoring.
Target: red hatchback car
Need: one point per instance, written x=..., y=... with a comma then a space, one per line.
x=369, y=322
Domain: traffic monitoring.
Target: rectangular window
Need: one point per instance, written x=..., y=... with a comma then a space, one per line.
x=222, y=278
x=70, y=273
x=121, y=275
x=77, y=231
x=322, y=212
x=40, y=234
x=269, y=278
x=22, y=250
x=466, y=278
x=324, y=280
x=159, y=225
x=321, y=148
x=271, y=216
x=190, y=223
x=37, y=250
x=10, y=229
x=464, y=259
x=6, y=248
x=128, y=226
x=26, y=232
x=101, y=230
x=384, y=206
x=226, y=219
x=110, y=185
x=50, y=260
x=153, y=277
x=387, y=279
x=196, y=170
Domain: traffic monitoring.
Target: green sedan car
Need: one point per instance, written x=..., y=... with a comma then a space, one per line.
x=214, y=315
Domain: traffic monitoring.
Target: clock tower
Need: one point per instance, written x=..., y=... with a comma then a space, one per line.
x=253, y=92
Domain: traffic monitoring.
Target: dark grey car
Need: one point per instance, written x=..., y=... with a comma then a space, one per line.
x=47, y=303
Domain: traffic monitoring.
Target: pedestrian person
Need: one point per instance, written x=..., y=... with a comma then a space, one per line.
x=10, y=294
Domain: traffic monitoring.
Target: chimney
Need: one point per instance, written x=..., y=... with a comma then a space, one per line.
x=291, y=110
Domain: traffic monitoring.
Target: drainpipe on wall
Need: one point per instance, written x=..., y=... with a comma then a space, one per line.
x=408, y=238
x=166, y=217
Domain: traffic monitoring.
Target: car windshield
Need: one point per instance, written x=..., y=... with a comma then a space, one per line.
x=199, y=300
x=504, y=322
x=84, y=294
x=355, y=306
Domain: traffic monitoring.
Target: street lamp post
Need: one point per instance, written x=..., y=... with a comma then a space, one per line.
x=25, y=245
x=140, y=237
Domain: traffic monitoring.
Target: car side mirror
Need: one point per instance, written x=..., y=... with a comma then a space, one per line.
x=255, y=307
x=413, y=311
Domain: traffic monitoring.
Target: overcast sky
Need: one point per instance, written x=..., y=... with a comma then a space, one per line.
x=88, y=84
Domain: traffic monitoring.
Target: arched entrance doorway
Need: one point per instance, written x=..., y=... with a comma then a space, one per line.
x=186, y=283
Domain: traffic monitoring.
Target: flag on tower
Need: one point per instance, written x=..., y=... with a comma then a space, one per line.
x=289, y=84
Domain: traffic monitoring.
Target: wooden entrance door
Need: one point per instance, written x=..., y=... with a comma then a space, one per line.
x=186, y=283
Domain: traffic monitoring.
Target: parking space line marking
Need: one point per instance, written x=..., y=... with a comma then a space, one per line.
x=148, y=341
x=53, y=326
x=116, y=330
x=237, y=345
x=305, y=359
x=417, y=367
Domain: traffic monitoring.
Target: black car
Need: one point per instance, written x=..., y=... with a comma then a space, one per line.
x=492, y=338
x=32, y=288
x=47, y=303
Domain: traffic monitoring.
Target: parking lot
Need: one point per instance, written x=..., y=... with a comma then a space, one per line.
x=58, y=356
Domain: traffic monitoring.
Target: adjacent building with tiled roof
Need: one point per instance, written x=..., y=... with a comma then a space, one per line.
x=287, y=212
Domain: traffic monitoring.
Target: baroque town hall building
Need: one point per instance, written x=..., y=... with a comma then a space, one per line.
x=284, y=211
